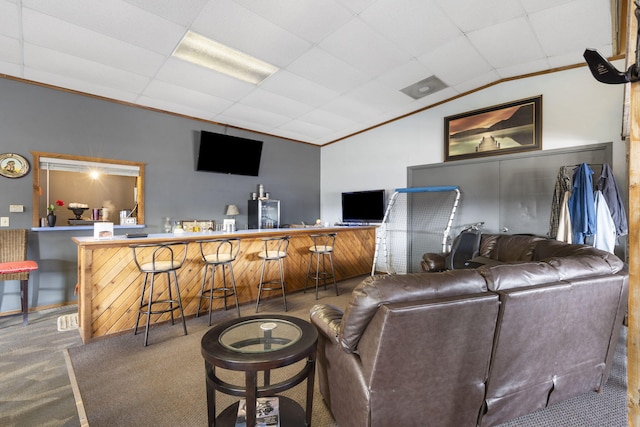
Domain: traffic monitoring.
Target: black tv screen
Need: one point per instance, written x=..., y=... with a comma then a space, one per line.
x=363, y=206
x=228, y=154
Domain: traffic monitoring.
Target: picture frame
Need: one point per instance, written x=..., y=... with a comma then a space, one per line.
x=507, y=128
x=13, y=165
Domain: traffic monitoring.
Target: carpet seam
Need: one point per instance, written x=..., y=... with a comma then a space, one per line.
x=77, y=397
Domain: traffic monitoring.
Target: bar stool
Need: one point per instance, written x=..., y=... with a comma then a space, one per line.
x=154, y=259
x=275, y=249
x=322, y=249
x=14, y=264
x=222, y=254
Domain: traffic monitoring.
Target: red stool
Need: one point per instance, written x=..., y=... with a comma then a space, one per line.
x=14, y=266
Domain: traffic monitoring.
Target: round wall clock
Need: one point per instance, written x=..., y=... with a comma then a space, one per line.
x=13, y=165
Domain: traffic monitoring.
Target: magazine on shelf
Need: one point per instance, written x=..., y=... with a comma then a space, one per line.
x=267, y=412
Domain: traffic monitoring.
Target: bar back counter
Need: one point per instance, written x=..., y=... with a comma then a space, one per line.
x=109, y=284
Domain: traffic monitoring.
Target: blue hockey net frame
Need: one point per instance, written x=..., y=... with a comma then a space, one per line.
x=417, y=220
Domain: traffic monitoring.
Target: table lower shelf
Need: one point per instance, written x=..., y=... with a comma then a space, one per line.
x=291, y=414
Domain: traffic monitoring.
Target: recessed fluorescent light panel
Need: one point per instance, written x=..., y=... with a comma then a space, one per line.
x=424, y=87
x=205, y=52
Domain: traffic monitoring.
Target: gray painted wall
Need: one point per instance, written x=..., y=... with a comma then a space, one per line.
x=34, y=118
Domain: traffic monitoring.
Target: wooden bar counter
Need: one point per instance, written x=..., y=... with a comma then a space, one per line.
x=109, y=284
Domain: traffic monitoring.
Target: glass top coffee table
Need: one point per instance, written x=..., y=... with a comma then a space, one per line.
x=260, y=343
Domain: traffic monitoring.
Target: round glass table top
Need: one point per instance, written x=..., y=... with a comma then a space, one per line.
x=260, y=335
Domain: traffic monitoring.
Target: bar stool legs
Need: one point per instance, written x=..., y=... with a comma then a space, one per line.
x=224, y=253
x=163, y=260
x=275, y=249
x=322, y=249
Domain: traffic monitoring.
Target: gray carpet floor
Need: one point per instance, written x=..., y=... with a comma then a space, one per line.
x=37, y=390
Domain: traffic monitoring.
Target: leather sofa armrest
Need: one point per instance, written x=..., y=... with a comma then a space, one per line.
x=327, y=318
x=433, y=262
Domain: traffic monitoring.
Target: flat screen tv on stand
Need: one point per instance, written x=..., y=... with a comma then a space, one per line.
x=363, y=207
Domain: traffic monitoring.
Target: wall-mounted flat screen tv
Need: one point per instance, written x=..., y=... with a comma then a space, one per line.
x=228, y=154
x=363, y=206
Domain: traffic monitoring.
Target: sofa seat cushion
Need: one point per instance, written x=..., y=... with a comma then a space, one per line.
x=382, y=289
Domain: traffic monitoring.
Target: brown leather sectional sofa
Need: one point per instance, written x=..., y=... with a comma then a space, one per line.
x=535, y=326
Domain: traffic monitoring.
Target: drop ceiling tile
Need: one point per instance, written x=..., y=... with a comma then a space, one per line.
x=261, y=117
x=294, y=87
x=355, y=109
x=472, y=15
x=357, y=6
x=327, y=119
x=325, y=69
x=10, y=69
x=115, y=19
x=9, y=23
x=477, y=81
x=305, y=128
x=417, y=26
x=10, y=50
x=83, y=86
x=518, y=44
x=229, y=23
x=203, y=80
x=442, y=95
x=312, y=20
x=406, y=74
x=572, y=26
x=523, y=68
x=379, y=96
x=269, y=101
x=52, y=33
x=361, y=46
x=182, y=12
x=181, y=95
x=531, y=6
x=174, y=107
x=81, y=69
x=455, y=68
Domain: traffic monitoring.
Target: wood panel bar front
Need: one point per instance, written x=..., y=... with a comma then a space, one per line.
x=109, y=283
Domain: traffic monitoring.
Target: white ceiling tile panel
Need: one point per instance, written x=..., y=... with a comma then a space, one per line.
x=182, y=12
x=174, y=107
x=259, y=98
x=456, y=68
x=9, y=22
x=472, y=15
x=325, y=69
x=227, y=22
x=305, y=128
x=572, y=26
x=357, y=6
x=84, y=86
x=116, y=19
x=262, y=117
x=406, y=74
x=181, y=73
x=359, y=45
x=379, y=96
x=313, y=20
x=442, y=95
x=180, y=95
x=353, y=108
x=479, y=80
x=81, y=69
x=416, y=25
x=10, y=69
x=517, y=43
x=10, y=50
x=531, y=6
x=524, y=68
x=327, y=119
x=46, y=31
x=294, y=87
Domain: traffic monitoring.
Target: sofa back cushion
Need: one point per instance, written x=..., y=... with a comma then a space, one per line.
x=508, y=248
x=437, y=349
x=375, y=291
x=553, y=342
x=565, y=257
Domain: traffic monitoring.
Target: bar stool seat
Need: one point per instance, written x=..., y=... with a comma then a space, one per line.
x=15, y=266
x=159, y=259
x=218, y=253
x=275, y=250
x=322, y=250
